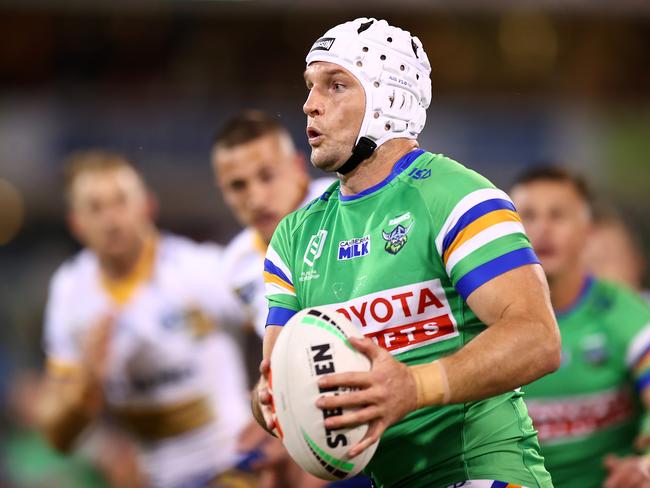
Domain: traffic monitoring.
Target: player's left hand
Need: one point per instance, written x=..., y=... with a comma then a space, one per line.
x=382, y=396
x=627, y=472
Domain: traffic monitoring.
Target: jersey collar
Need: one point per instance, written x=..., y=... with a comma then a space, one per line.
x=587, y=285
x=401, y=164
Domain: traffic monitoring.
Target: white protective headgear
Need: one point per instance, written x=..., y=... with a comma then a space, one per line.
x=393, y=69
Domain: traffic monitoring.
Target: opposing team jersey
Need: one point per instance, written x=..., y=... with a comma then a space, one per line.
x=174, y=382
x=399, y=260
x=588, y=408
x=244, y=263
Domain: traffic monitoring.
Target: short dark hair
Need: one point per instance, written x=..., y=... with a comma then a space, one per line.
x=248, y=126
x=558, y=174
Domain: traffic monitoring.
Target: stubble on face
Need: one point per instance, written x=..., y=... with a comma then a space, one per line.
x=335, y=108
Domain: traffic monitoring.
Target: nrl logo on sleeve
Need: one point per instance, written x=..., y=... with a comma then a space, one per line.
x=323, y=44
x=354, y=248
x=315, y=247
x=396, y=233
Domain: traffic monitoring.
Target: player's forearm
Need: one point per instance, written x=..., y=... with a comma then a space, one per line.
x=65, y=411
x=270, y=336
x=509, y=354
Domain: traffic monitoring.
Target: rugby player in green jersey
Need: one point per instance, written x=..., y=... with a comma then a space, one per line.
x=429, y=260
x=587, y=413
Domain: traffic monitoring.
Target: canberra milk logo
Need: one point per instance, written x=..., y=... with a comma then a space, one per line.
x=354, y=248
x=315, y=247
x=323, y=44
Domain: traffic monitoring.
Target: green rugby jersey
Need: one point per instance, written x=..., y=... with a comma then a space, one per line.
x=588, y=408
x=399, y=260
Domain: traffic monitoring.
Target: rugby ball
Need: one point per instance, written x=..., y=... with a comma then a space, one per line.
x=313, y=343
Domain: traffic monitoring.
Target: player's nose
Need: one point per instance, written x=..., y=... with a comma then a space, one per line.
x=258, y=196
x=313, y=105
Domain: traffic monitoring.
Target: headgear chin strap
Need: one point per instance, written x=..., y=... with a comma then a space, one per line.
x=361, y=151
x=393, y=70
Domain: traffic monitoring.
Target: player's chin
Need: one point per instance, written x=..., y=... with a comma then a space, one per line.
x=266, y=231
x=552, y=266
x=324, y=160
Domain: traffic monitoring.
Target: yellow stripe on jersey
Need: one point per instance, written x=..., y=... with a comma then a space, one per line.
x=271, y=278
x=162, y=421
x=122, y=290
x=258, y=244
x=480, y=224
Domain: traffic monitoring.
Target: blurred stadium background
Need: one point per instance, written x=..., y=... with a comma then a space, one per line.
x=515, y=82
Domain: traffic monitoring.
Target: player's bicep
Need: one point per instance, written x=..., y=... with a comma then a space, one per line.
x=279, y=288
x=519, y=292
x=59, y=340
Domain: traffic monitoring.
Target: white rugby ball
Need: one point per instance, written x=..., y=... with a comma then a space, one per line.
x=314, y=343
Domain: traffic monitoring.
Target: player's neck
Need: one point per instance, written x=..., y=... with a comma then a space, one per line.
x=566, y=287
x=376, y=168
x=116, y=268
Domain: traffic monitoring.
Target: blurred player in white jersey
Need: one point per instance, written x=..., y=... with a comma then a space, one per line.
x=262, y=178
x=130, y=333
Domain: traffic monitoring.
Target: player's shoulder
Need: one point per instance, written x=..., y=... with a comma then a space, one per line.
x=242, y=243
x=444, y=177
x=453, y=194
x=317, y=187
x=241, y=248
x=73, y=272
x=617, y=301
x=243, y=240
x=181, y=249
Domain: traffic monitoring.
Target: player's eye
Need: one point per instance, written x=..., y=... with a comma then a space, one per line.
x=338, y=86
x=237, y=185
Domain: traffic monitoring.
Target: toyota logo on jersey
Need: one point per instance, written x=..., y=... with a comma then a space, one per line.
x=403, y=318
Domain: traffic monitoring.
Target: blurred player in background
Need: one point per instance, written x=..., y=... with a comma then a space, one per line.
x=429, y=260
x=262, y=178
x=130, y=332
x=613, y=251
x=587, y=413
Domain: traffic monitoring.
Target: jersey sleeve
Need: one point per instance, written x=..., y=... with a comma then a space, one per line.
x=278, y=278
x=59, y=341
x=482, y=236
x=634, y=329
